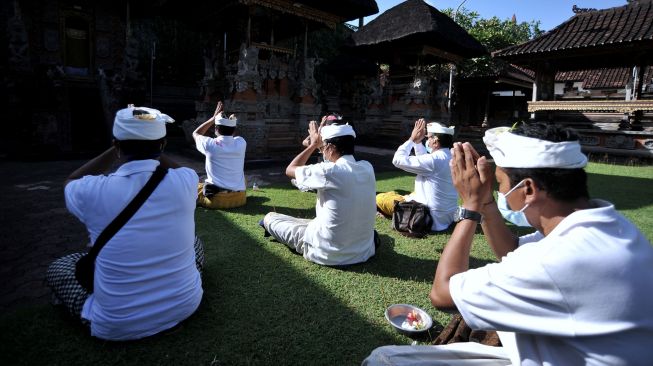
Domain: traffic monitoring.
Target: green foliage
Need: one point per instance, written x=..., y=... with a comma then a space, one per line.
x=494, y=34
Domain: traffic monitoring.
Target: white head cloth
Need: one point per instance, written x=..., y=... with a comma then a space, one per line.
x=149, y=125
x=331, y=131
x=514, y=151
x=435, y=127
x=229, y=122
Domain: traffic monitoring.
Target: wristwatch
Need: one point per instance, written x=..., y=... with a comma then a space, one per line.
x=465, y=214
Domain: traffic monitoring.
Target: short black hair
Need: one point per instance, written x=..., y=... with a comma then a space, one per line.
x=445, y=139
x=343, y=144
x=141, y=149
x=225, y=130
x=564, y=185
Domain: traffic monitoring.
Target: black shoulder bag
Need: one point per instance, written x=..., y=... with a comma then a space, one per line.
x=411, y=218
x=85, y=266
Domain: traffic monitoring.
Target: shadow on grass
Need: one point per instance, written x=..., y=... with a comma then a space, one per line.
x=258, y=206
x=626, y=193
x=389, y=263
x=260, y=306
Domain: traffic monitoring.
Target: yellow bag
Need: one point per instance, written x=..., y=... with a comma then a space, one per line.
x=221, y=200
x=385, y=202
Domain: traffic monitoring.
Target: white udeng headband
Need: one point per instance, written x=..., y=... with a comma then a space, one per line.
x=435, y=127
x=331, y=131
x=514, y=151
x=150, y=125
x=220, y=120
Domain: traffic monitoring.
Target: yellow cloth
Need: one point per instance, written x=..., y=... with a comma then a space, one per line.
x=385, y=202
x=221, y=200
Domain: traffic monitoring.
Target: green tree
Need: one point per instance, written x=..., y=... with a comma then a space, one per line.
x=494, y=34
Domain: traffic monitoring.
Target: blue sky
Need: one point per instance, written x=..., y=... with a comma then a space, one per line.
x=550, y=13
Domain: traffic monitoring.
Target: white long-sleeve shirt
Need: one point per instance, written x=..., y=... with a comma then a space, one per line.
x=433, y=184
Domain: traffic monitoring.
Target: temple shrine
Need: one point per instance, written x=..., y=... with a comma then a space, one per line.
x=608, y=39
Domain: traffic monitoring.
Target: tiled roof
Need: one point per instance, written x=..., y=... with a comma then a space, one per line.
x=631, y=24
x=616, y=77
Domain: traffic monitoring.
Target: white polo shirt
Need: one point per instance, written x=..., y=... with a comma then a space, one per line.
x=433, y=184
x=146, y=280
x=225, y=160
x=343, y=229
x=582, y=295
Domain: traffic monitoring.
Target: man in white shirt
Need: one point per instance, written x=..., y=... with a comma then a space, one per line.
x=147, y=276
x=578, y=291
x=342, y=232
x=433, y=186
x=224, y=186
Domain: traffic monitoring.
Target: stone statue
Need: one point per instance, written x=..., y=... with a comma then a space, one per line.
x=248, y=60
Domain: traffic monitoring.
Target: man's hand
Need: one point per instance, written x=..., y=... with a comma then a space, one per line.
x=314, y=133
x=219, y=108
x=307, y=141
x=419, y=131
x=472, y=176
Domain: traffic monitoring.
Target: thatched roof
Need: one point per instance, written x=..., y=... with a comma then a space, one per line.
x=348, y=9
x=615, y=36
x=416, y=23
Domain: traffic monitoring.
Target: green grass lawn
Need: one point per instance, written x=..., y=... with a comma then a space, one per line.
x=265, y=305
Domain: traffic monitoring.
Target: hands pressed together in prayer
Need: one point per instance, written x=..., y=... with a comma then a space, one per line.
x=218, y=109
x=311, y=143
x=419, y=131
x=309, y=139
x=472, y=176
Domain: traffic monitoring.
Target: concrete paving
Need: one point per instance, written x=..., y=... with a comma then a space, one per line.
x=36, y=228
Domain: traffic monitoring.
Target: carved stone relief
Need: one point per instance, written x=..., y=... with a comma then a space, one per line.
x=620, y=142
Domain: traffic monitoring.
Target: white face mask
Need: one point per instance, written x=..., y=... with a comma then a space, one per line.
x=324, y=157
x=516, y=217
x=428, y=149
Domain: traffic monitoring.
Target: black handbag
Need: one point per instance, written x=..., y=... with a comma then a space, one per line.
x=411, y=218
x=85, y=266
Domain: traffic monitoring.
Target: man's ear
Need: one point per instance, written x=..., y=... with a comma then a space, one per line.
x=531, y=190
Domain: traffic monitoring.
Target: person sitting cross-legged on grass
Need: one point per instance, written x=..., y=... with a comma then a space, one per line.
x=433, y=186
x=577, y=291
x=147, y=275
x=224, y=186
x=342, y=232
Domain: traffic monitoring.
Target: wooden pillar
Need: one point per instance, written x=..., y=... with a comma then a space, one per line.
x=637, y=83
x=544, y=87
x=544, y=82
x=305, y=42
x=486, y=113
x=249, y=30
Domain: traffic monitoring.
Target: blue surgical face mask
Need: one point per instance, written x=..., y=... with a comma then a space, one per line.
x=516, y=217
x=428, y=149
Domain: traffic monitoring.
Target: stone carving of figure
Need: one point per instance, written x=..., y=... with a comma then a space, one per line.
x=418, y=87
x=376, y=90
x=443, y=96
x=273, y=67
x=248, y=60
x=309, y=68
x=18, y=40
x=210, y=69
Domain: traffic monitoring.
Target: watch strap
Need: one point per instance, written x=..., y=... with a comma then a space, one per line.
x=465, y=214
